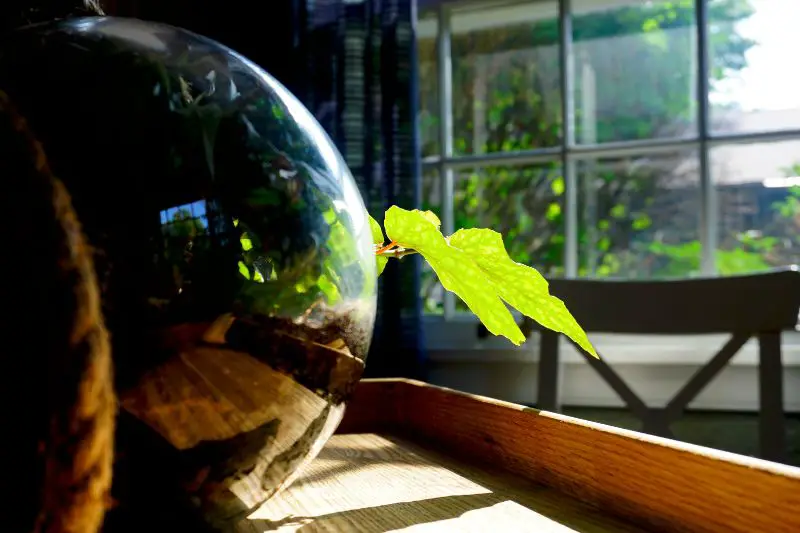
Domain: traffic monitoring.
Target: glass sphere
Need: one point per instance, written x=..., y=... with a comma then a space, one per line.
x=231, y=245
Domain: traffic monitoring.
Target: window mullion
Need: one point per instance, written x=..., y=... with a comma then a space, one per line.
x=565, y=58
x=709, y=215
x=445, y=81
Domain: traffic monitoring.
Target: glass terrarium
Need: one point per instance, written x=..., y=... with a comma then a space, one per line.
x=232, y=248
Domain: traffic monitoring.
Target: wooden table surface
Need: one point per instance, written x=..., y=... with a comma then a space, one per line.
x=370, y=483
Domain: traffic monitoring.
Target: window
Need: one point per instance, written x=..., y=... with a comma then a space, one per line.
x=192, y=215
x=639, y=216
x=614, y=138
x=751, y=48
x=635, y=70
x=184, y=229
x=759, y=205
x=506, y=93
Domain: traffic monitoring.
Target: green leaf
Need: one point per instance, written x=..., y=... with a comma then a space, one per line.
x=381, y=263
x=553, y=211
x=247, y=244
x=329, y=289
x=377, y=232
x=455, y=268
x=243, y=270
x=521, y=286
x=558, y=186
x=431, y=217
x=641, y=222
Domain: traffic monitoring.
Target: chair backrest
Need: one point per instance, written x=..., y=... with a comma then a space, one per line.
x=761, y=302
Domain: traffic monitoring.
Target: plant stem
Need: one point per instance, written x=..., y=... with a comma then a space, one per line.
x=397, y=252
x=386, y=248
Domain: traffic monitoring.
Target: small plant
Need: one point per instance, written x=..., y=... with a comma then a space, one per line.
x=474, y=265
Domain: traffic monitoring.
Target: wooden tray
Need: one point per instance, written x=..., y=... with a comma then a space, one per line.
x=415, y=457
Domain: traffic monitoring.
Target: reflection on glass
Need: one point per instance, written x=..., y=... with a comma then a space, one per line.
x=639, y=217
x=185, y=237
x=506, y=78
x=754, y=83
x=758, y=192
x=635, y=69
x=524, y=204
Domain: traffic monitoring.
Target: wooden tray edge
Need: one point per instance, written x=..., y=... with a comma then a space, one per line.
x=656, y=482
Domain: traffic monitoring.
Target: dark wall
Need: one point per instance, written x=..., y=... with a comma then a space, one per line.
x=266, y=40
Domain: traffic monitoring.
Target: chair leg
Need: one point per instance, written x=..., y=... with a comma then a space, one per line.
x=548, y=378
x=772, y=423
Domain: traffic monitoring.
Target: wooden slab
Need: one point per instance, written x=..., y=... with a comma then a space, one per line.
x=654, y=483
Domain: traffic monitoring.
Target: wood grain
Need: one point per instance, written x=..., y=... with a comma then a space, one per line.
x=211, y=394
x=369, y=483
x=241, y=427
x=660, y=484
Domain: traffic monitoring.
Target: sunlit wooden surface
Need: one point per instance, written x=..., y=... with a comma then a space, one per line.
x=373, y=483
x=655, y=483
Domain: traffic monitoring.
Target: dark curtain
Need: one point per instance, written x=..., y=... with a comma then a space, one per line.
x=353, y=64
x=358, y=61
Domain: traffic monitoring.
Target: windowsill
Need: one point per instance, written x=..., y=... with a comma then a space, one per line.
x=456, y=340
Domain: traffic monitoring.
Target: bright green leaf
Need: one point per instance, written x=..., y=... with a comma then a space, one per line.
x=558, y=186
x=432, y=218
x=329, y=216
x=650, y=25
x=455, y=268
x=553, y=211
x=247, y=244
x=521, y=286
x=377, y=232
x=329, y=289
x=381, y=263
x=243, y=270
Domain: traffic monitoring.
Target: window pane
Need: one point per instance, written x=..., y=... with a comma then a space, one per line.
x=427, y=29
x=753, y=46
x=506, y=78
x=635, y=69
x=759, y=206
x=639, y=216
x=524, y=204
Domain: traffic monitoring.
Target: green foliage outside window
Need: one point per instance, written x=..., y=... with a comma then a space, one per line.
x=519, y=108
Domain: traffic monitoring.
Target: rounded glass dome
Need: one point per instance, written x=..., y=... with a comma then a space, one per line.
x=231, y=244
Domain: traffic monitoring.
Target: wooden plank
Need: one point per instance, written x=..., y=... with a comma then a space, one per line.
x=659, y=483
x=370, y=483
